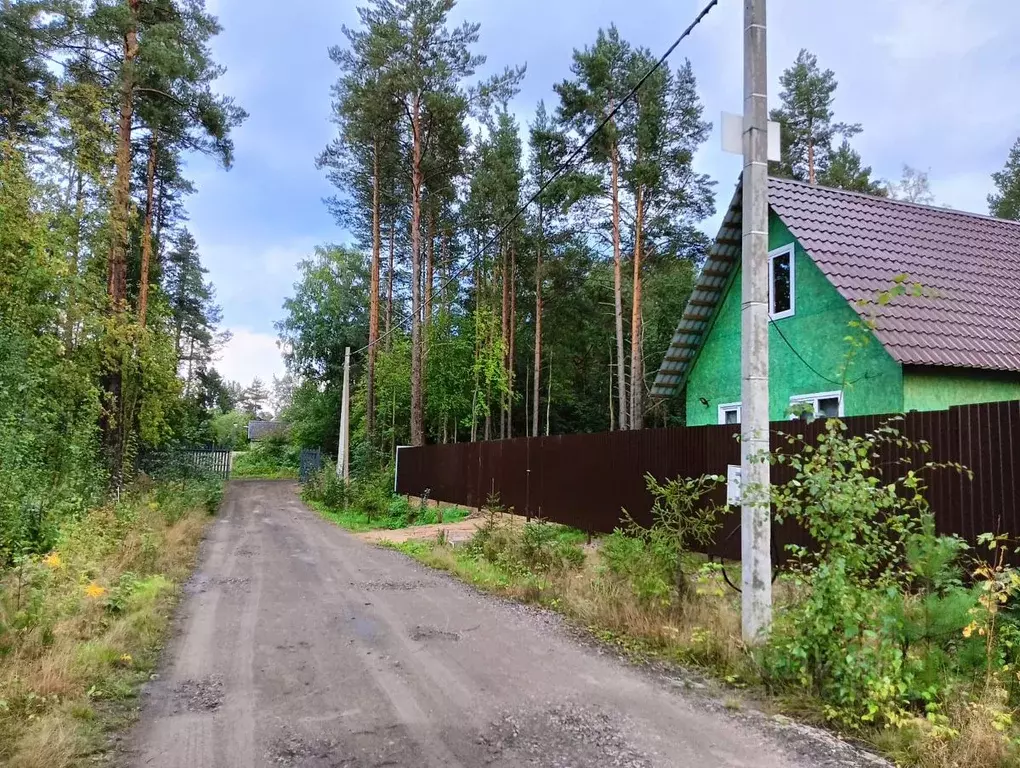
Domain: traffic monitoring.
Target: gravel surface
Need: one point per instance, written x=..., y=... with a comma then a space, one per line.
x=300, y=645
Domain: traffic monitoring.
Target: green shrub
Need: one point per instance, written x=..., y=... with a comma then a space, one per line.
x=875, y=626
x=652, y=559
x=367, y=501
x=272, y=457
x=535, y=547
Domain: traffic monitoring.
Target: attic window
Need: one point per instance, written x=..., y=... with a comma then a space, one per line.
x=781, y=287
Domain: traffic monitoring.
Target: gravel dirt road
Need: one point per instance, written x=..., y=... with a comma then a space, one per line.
x=300, y=645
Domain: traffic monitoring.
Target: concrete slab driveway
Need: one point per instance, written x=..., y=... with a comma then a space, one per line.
x=299, y=645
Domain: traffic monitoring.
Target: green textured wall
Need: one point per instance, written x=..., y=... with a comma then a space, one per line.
x=930, y=389
x=816, y=331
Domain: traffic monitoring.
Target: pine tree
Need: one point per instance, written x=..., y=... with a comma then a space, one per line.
x=846, y=171
x=255, y=398
x=363, y=160
x=427, y=62
x=660, y=136
x=548, y=147
x=1005, y=201
x=599, y=83
x=25, y=80
x=177, y=105
x=806, y=119
x=194, y=314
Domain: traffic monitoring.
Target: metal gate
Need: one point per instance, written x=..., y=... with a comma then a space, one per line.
x=311, y=462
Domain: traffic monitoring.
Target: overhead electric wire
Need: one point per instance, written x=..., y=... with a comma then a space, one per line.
x=559, y=170
x=810, y=367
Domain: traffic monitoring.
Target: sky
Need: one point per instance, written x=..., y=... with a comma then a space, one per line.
x=932, y=82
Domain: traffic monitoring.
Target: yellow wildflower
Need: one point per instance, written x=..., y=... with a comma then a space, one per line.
x=125, y=659
x=52, y=560
x=969, y=629
x=94, y=591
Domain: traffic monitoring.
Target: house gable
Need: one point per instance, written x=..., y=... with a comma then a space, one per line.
x=930, y=388
x=967, y=264
x=807, y=351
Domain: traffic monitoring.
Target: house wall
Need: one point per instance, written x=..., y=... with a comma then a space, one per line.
x=934, y=389
x=817, y=331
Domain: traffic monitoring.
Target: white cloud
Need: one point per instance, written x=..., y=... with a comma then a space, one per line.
x=248, y=355
x=938, y=29
x=252, y=280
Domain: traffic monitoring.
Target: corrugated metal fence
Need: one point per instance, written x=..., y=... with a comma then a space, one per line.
x=585, y=480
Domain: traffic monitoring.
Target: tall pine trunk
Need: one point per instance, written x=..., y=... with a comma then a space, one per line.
x=417, y=396
x=637, y=374
x=113, y=423
x=511, y=355
x=536, y=389
x=811, y=153
x=621, y=378
x=120, y=209
x=478, y=354
x=505, y=337
x=74, y=262
x=150, y=204
x=389, y=285
x=548, y=394
x=373, y=297
x=430, y=277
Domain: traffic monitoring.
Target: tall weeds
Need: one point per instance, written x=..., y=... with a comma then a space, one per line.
x=80, y=626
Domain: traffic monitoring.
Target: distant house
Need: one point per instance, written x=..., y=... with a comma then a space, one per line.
x=829, y=249
x=260, y=430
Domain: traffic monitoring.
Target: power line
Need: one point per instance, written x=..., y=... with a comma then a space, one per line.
x=562, y=167
x=810, y=367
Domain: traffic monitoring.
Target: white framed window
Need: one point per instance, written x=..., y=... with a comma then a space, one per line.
x=819, y=405
x=782, y=294
x=729, y=413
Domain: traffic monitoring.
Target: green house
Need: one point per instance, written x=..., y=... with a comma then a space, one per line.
x=831, y=255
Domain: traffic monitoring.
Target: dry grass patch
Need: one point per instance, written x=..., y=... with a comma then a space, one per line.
x=80, y=627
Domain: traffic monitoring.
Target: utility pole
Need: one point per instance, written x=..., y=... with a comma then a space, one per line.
x=755, y=513
x=343, y=454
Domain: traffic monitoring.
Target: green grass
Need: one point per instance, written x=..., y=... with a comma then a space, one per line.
x=468, y=567
x=81, y=627
x=396, y=516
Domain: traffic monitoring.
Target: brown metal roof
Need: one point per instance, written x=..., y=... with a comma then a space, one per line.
x=969, y=264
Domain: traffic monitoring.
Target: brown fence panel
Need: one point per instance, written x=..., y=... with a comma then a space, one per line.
x=587, y=480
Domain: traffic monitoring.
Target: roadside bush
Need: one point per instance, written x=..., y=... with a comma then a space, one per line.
x=367, y=501
x=83, y=622
x=273, y=457
x=535, y=547
x=876, y=624
x=651, y=560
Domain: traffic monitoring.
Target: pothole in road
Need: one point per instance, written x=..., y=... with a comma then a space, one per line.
x=391, y=586
x=564, y=735
x=367, y=749
x=233, y=583
x=300, y=645
x=204, y=695
x=432, y=633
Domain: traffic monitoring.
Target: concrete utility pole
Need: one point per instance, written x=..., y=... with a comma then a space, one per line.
x=755, y=514
x=343, y=454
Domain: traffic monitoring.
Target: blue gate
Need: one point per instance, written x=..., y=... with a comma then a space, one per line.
x=311, y=462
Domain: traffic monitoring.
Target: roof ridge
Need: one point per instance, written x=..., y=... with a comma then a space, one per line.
x=891, y=201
